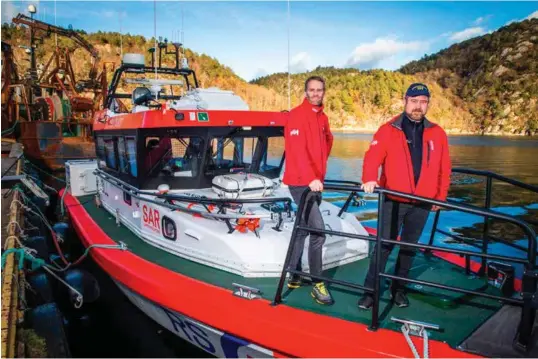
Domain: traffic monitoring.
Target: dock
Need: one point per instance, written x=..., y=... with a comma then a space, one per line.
x=12, y=277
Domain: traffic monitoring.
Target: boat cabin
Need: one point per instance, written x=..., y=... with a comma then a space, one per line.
x=159, y=127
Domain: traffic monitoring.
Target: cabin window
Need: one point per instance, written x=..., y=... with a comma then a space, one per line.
x=273, y=157
x=130, y=148
x=100, y=151
x=169, y=228
x=127, y=198
x=110, y=154
x=168, y=157
x=233, y=153
x=122, y=156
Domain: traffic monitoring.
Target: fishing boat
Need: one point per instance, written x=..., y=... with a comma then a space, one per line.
x=184, y=208
x=50, y=111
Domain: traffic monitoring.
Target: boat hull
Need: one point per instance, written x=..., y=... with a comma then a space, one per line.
x=209, y=339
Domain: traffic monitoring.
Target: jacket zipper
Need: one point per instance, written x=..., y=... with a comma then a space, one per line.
x=429, y=149
x=320, y=143
x=410, y=174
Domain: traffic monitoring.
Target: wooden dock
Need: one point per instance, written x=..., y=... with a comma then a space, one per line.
x=12, y=277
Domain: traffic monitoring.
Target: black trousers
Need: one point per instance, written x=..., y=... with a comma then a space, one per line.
x=410, y=218
x=311, y=218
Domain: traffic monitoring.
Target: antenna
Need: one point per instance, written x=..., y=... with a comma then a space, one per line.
x=182, y=24
x=121, y=37
x=289, y=76
x=55, y=34
x=155, y=35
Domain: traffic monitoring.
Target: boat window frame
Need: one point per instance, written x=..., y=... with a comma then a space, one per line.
x=163, y=228
x=263, y=139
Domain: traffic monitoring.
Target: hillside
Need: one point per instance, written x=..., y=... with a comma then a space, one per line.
x=363, y=100
x=486, y=85
x=496, y=76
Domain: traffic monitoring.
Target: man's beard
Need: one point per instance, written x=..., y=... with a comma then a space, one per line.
x=416, y=115
x=315, y=102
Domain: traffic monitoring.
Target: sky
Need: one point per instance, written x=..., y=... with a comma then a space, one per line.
x=252, y=37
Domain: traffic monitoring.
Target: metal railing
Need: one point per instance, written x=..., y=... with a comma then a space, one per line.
x=486, y=237
x=529, y=281
x=222, y=204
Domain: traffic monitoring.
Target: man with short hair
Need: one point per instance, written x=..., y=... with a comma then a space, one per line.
x=414, y=156
x=308, y=145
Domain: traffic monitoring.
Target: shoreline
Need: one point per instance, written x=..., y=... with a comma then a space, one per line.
x=366, y=131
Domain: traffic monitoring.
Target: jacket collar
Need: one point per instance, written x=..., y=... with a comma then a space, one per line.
x=397, y=122
x=314, y=108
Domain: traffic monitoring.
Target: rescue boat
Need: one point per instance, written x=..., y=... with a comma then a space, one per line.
x=186, y=195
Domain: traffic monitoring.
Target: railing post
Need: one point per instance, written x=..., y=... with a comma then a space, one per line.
x=485, y=231
x=346, y=204
x=300, y=210
x=434, y=228
x=379, y=250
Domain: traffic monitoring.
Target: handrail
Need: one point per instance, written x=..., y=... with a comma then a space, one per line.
x=497, y=177
x=485, y=235
x=530, y=277
x=349, y=198
x=135, y=192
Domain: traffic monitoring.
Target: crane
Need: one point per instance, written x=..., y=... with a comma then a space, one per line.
x=49, y=29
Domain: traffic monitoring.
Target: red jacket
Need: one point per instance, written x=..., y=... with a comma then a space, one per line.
x=308, y=144
x=389, y=149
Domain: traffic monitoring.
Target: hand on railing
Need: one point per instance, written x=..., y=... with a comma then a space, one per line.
x=369, y=187
x=316, y=186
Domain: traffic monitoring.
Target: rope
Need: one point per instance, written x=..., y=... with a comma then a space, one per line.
x=24, y=254
x=10, y=130
x=62, y=200
x=79, y=298
x=405, y=332
x=424, y=332
x=426, y=348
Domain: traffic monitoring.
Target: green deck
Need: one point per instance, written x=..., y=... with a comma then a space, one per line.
x=458, y=315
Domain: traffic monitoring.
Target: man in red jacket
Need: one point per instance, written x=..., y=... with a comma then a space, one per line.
x=414, y=158
x=308, y=145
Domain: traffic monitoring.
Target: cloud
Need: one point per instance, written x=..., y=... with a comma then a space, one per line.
x=300, y=62
x=468, y=33
x=481, y=20
x=534, y=15
x=370, y=55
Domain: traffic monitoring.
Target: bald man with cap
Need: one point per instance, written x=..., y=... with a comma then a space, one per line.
x=414, y=158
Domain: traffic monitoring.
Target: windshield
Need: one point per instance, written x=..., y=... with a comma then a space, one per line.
x=168, y=157
x=254, y=154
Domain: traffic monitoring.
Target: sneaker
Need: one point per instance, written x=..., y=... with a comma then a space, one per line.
x=294, y=282
x=321, y=294
x=366, y=302
x=400, y=299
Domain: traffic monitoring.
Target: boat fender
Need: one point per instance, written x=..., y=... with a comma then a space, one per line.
x=39, y=243
x=83, y=282
x=49, y=323
x=41, y=292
